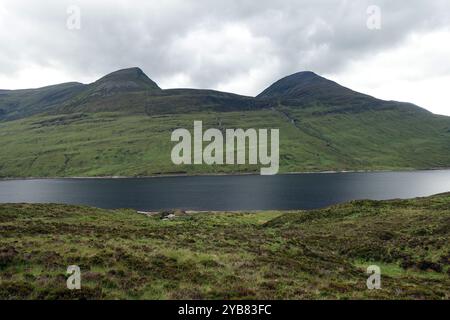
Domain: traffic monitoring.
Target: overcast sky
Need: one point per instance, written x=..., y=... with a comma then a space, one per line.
x=235, y=45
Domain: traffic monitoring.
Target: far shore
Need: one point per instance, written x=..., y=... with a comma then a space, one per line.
x=218, y=174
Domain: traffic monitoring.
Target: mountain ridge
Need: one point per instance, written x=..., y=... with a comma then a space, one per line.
x=298, y=89
x=120, y=125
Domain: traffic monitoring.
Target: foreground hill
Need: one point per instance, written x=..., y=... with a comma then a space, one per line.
x=320, y=254
x=121, y=125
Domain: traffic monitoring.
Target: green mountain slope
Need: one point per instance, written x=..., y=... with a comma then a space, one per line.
x=16, y=104
x=121, y=125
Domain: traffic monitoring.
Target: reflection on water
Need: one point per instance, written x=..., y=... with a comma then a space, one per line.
x=296, y=191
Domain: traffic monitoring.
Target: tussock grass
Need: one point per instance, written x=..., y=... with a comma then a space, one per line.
x=320, y=254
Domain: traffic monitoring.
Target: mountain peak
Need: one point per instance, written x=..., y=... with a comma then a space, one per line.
x=296, y=84
x=128, y=72
x=304, y=74
x=309, y=86
x=130, y=79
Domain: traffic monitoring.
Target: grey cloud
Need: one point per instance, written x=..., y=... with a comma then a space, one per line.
x=175, y=37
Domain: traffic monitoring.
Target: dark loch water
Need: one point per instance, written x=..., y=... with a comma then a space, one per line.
x=296, y=191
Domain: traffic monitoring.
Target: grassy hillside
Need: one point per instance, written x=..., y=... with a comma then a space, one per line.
x=320, y=254
x=121, y=124
x=108, y=144
x=15, y=104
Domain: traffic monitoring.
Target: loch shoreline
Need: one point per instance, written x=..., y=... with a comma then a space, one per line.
x=168, y=175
